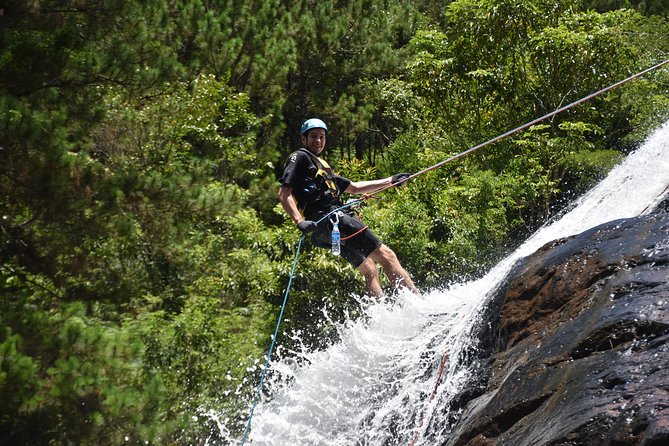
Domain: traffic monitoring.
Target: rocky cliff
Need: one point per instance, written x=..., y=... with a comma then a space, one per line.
x=574, y=349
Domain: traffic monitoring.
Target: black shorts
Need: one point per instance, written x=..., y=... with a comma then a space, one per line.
x=355, y=249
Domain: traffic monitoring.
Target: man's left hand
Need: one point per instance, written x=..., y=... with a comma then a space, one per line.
x=307, y=226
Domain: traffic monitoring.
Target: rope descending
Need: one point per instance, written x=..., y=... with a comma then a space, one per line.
x=278, y=323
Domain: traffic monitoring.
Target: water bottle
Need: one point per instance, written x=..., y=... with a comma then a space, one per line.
x=336, y=239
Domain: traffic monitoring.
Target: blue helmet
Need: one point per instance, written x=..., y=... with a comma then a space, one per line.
x=313, y=123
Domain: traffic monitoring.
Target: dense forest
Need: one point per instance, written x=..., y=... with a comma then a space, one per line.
x=143, y=253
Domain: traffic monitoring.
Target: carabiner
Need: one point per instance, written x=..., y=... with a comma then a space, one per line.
x=334, y=218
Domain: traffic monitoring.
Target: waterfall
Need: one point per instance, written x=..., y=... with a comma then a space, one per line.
x=373, y=387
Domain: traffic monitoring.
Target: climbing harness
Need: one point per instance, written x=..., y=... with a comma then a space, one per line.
x=365, y=197
x=354, y=234
x=321, y=186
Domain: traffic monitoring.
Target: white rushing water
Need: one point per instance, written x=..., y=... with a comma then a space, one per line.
x=374, y=386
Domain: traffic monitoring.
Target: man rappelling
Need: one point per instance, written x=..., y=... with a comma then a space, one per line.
x=310, y=191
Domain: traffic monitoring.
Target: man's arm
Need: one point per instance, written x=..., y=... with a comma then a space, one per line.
x=364, y=187
x=289, y=204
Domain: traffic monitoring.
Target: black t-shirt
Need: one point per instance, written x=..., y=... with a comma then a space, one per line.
x=309, y=189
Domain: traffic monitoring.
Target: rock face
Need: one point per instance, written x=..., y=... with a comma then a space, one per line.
x=575, y=349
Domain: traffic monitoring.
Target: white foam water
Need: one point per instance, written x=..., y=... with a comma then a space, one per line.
x=373, y=387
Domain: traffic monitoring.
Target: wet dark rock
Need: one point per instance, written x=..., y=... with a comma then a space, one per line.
x=574, y=351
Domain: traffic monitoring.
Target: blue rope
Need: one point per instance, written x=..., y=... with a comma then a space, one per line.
x=271, y=348
x=278, y=323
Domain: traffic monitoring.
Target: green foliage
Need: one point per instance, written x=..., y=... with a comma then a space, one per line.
x=646, y=7
x=583, y=43
x=202, y=357
x=393, y=222
x=341, y=47
x=72, y=372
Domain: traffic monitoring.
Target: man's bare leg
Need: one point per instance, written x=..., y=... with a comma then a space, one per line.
x=388, y=260
x=371, y=274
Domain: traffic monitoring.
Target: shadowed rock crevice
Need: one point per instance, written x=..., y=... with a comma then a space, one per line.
x=612, y=336
x=504, y=421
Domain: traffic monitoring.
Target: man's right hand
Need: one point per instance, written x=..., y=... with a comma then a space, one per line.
x=399, y=178
x=307, y=226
